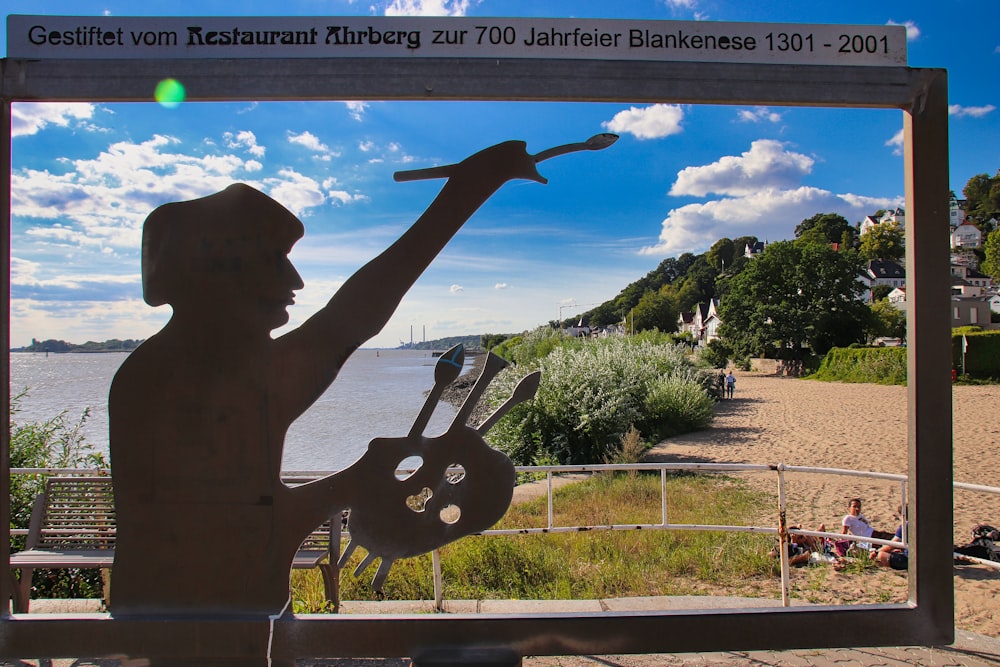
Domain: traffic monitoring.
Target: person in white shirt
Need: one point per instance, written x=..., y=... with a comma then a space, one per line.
x=855, y=523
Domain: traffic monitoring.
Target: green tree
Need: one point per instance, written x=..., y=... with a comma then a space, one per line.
x=982, y=195
x=740, y=244
x=829, y=226
x=716, y=354
x=884, y=241
x=880, y=292
x=605, y=314
x=721, y=254
x=886, y=320
x=793, y=299
x=489, y=341
x=991, y=250
x=655, y=310
x=697, y=285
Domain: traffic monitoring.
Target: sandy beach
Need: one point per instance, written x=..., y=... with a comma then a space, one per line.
x=860, y=427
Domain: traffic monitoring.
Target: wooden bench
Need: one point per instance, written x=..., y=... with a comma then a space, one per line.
x=73, y=526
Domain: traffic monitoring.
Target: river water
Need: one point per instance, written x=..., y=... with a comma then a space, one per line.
x=377, y=394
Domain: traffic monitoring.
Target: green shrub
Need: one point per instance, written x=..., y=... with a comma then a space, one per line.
x=532, y=345
x=982, y=357
x=592, y=392
x=55, y=443
x=876, y=365
x=677, y=403
x=716, y=354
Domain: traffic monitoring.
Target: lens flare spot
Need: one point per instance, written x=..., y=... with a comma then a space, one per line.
x=169, y=93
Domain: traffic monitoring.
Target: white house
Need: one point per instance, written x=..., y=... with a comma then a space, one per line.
x=897, y=215
x=962, y=287
x=881, y=272
x=956, y=211
x=754, y=249
x=974, y=278
x=994, y=301
x=712, y=327
x=966, y=235
x=685, y=323
x=897, y=297
x=870, y=222
x=867, y=224
x=702, y=324
x=969, y=311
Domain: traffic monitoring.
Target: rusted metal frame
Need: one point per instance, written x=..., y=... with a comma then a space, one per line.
x=464, y=79
x=8, y=587
x=922, y=93
x=929, y=396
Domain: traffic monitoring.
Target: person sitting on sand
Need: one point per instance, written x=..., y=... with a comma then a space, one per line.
x=801, y=547
x=897, y=558
x=855, y=523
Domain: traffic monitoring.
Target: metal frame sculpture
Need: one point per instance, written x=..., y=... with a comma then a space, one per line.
x=921, y=94
x=199, y=411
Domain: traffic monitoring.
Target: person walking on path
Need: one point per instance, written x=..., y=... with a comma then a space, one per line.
x=730, y=384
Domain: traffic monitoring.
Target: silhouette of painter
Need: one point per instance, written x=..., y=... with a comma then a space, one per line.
x=199, y=412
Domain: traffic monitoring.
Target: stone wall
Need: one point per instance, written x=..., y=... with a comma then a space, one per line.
x=776, y=367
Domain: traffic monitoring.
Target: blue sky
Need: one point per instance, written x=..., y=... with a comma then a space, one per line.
x=681, y=176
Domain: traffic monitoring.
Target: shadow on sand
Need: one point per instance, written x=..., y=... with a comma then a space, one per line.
x=976, y=572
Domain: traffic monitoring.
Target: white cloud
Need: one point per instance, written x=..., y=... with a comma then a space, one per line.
x=767, y=165
x=653, y=122
x=427, y=8
x=295, y=191
x=758, y=114
x=959, y=111
x=366, y=146
x=29, y=118
x=912, y=31
x=455, y=289
x=99, y=204
x=501, y=286
x=767, y=214
x=762, y=196
x=896, y=143
x=310, y=141
x=344, y=197
x=356, y=110
x=246, y=140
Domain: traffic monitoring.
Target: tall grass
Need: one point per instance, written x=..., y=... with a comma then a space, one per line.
x=590, y=564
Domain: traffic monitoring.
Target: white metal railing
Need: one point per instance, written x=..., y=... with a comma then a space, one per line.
x=781, y=529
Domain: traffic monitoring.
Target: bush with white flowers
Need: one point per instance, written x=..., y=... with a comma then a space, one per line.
x=593, y=392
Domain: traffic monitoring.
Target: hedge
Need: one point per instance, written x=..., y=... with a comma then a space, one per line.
x=877, y=365
x=982, y=357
